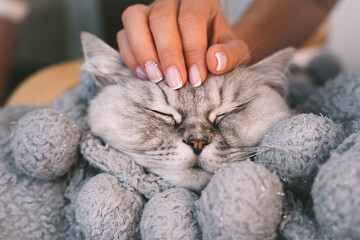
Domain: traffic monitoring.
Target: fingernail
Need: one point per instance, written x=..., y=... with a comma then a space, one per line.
x=153, y=71
x=222, y=61
x=194, y=75
x=173, y=77
x=140, y=73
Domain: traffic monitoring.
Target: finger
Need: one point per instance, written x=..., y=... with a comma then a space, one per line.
x=128, y=55
x=164, y=28
x=224, y=57
x=192, y=20
x=135, y=20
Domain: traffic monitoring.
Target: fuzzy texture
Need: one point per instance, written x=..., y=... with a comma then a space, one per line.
x=229, y=114
x=106, y=210
x=45, y=143
x=123, y=167
x=8, y=119
x=75, y=213
x=249, y=207
x=297, y=221
x=29, y=208
x=338, y=99
x=336, y=191
x=296, y=147
x=300, y=86
x=323, y=67
x=170, y=215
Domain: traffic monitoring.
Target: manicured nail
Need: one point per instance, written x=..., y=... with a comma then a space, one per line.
x=222, y=61
x=140, y=73
x=194, y=75
x=173, y=77
x=153, y=71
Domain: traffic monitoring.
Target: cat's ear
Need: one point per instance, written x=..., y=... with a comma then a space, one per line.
x=102, y=61
x=274, y=68
x=277, y=63
x=95, y=47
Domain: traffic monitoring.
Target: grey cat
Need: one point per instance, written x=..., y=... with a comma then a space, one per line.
x=184, y=136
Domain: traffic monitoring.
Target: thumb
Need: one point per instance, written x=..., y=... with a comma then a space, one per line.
x=223, y=57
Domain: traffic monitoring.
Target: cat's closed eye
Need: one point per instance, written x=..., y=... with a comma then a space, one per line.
x=168, y=118
x=237, y=109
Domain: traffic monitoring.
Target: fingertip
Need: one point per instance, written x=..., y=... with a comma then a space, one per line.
x=224, y=57
x=196, y=76
x=140, y=73
x=216, y=59
x=174, y=78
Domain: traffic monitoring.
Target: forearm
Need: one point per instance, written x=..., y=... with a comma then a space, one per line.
x=268, y=26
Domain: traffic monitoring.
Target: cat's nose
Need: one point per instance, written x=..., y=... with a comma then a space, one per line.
x=197, y=145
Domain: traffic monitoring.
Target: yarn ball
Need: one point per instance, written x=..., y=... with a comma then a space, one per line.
x=106, y=210
x=338, y=99
x=300, y=86
x=30, y=208
x=295, y=147
x=45, y=143
x=323, y=67
x=336, y=191
x=242, y=201
x=170, y=215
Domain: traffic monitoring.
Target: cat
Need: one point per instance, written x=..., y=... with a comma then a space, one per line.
x=184, y=136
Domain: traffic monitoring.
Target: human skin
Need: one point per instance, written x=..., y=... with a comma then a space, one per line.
x=184, y=39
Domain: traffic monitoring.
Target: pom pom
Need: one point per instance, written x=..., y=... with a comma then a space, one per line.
x=45, y=144
x=300, y=86
x=169, y=215
x=294, y=148
x=336, y=191
x=323, y=67
x=105, y=210
x=339, y=99
x=242, y=201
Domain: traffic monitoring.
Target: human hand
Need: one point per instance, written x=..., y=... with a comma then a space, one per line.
x=169, y=34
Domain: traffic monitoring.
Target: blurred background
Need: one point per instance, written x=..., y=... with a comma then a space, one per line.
x=49, y=32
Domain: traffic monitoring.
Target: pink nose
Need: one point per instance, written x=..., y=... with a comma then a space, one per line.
x=197, y=145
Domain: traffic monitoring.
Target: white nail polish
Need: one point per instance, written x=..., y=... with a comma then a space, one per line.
x=173, y=77
x=194, y=76
x=221, y=60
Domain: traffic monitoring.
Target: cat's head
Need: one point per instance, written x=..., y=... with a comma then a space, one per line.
x=185, y=135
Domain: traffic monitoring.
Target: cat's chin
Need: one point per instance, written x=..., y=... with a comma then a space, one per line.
x=194, y=179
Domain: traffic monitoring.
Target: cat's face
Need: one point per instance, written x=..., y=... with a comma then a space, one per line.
x=184, y=136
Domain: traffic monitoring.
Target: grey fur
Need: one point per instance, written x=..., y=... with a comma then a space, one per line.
x=58, y=214
x=231, y=112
